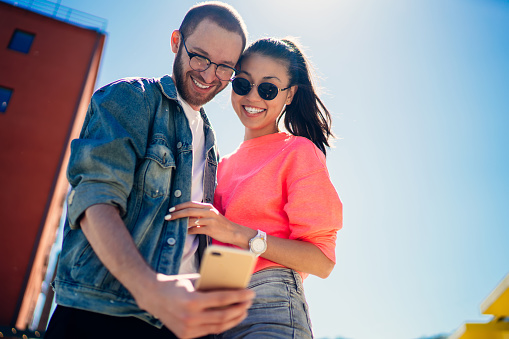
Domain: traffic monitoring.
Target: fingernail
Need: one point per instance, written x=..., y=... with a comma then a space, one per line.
x=171, y=209
x=167, y=217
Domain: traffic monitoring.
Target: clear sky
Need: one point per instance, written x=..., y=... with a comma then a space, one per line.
x=419, y=92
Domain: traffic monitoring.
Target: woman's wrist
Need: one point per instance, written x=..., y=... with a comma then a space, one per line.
x=242, y=235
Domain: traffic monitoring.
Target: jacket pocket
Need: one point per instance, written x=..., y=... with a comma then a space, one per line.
x=88, y=269
x=158, y=169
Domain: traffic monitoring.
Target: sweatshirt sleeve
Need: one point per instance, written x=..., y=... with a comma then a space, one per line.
x=314, y=208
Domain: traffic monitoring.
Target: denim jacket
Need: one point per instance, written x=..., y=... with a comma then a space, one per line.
x=134, y=152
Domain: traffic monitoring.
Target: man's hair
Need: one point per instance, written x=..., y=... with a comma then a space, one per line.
x=224, y=15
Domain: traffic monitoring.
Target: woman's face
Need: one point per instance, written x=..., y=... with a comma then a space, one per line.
x=256, y=114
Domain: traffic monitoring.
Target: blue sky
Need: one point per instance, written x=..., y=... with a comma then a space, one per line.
x=419, y=92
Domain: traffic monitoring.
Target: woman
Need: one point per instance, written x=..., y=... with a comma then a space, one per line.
x=274, y=195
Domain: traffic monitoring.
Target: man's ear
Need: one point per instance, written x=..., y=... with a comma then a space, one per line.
x=175, y=41
x=291, y=93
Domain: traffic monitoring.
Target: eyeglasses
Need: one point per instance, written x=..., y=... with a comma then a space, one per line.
x=266, y=90
x=200, y=63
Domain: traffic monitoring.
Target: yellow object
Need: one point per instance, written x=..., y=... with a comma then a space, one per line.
x=492, y=330
x=497, y=303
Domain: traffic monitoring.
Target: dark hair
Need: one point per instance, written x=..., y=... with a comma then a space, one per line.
x=224, y=15
x=306, y=116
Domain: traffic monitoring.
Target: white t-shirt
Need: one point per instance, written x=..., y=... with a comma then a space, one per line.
x=188, y=262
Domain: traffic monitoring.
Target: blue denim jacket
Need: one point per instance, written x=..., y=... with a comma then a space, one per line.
x=134, y=152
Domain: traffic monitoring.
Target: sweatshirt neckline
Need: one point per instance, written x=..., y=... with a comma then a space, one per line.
x=265, y=139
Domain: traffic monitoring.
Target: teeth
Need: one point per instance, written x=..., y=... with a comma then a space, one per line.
x=199, y=85
x=253, y=110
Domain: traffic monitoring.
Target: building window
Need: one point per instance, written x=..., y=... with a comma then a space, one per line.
x=21, y=41
x=5, y=96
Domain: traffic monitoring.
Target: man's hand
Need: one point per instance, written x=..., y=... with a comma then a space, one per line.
x=189, y=313
x=172, y=299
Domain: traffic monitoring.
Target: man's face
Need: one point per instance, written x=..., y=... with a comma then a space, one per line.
x=214, y=43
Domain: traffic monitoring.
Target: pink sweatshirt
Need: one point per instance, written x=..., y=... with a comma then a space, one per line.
x=279, y=183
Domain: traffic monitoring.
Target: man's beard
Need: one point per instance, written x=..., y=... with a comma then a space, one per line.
x=180, y=82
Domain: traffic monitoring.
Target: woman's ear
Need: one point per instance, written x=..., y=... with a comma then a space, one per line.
x=291, y=93
x=175, y=41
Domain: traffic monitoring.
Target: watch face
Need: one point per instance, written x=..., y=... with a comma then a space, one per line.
x=258, y=245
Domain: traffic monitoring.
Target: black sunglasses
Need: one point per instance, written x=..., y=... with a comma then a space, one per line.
x=266, y=90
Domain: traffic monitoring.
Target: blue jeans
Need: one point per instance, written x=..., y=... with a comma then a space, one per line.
x=279, y=309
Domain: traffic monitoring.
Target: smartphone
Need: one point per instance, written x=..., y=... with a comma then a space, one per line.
x=225, y=268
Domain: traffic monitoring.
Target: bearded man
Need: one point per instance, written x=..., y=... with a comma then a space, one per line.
x=146, y=145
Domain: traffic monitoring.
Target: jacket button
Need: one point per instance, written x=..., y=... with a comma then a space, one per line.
x=177, y=193
x=179, y=144
x=171, y=241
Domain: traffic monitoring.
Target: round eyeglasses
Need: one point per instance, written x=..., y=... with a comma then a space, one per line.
x=200, y=63
x=266, y=90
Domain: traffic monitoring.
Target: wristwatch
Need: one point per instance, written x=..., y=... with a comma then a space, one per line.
x=258, y=244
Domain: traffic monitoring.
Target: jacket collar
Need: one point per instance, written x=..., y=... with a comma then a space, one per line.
x=170, y=91
x=168, y=87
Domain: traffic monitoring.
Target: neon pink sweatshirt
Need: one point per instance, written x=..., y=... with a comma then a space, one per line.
x=279, y=183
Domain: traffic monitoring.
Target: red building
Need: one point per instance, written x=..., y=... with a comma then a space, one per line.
x=49, y=60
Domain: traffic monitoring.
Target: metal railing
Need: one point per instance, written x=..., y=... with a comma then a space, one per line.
x=62, y=13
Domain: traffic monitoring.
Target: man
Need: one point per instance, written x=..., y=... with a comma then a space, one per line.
x=144, y=148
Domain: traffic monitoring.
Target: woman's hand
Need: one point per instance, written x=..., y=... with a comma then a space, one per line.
x=206, y=219
x=296, y=254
